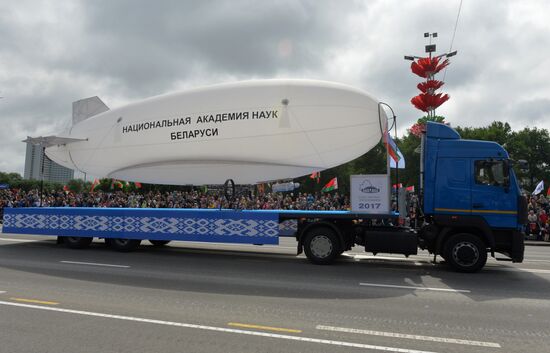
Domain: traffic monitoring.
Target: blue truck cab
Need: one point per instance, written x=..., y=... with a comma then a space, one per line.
x=471, y=200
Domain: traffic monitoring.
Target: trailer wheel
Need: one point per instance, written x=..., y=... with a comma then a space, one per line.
x=321, y=245
x=159, y=242
x=77, y=242
x=124, y=245
x=465, y=252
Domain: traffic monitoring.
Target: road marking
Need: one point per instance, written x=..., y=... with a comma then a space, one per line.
x=414, y=337
x=2, y=291
x=18, y=240
x=267, y=328
x=416, y=288
x=219, y=329
x=93, y=264
x=34, y=301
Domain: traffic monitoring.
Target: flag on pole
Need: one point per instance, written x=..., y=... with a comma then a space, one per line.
x=316, y=176
x=94, y=185
x=392, y=148
x=331, y=185
x=394, y=186
x=539, y=188
x=400, y=164
x=138, y=185
x=410, y=188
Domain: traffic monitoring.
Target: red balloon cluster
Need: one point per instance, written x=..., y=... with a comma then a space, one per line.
x=428, y=100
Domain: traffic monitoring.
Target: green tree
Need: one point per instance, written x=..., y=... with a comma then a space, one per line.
x=532, y=145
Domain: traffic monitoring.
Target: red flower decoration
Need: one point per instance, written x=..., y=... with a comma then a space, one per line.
x=427, y=67
x=417, y=129
x=427, y=102
x=430, y=86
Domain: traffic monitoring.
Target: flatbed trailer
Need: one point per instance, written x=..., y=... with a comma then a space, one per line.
x=322, y=235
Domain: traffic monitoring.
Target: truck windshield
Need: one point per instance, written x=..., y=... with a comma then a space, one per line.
x=489, y=173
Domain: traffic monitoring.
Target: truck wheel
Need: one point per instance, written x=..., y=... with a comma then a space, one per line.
x=124, y=245
x=465, y=252
x=321, y=245
x=77, y=242
x=159, y=242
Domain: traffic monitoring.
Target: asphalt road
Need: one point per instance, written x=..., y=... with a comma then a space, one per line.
x=190, y=297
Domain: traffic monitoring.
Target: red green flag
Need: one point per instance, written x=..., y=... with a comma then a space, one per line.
x=94, y=185
x=138, y=185
x=116, y=183
x=316, y=176
x=331, y=185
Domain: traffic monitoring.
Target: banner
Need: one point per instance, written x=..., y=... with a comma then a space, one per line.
x=539, y=188
x=370, y=194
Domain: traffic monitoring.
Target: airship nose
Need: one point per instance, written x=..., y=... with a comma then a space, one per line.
x=60, y=155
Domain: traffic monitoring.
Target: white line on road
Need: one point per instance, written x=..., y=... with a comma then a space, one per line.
x=414, y=337
x=2, y=291
x=18, y=240
x=93, y=264
x=415, y=288
x=218, y=329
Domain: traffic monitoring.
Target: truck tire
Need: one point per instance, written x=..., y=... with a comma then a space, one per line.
x=77, y=242
x=465, y=252
x=321, y=245
x=159, y=242
x=124, y=245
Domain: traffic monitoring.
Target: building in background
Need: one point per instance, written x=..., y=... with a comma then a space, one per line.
x=52, y=171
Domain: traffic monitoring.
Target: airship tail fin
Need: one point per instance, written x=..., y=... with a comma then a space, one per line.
x=88, y=107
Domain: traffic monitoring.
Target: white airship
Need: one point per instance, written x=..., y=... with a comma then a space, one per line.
x=250, y=131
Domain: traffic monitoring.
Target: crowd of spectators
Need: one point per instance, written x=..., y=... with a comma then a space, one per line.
x=175, y=199
x=538, y=226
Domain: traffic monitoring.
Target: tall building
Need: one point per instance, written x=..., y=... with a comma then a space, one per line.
x=52, y=171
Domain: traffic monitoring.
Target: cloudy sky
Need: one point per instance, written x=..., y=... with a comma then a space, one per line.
x=55, y=52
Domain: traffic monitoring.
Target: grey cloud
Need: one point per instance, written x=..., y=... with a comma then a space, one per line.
x=151, y=47
x=53, y=53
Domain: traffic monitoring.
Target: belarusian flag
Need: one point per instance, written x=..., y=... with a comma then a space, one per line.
x=331, y=185
x=138, y=185
x=116, y=183
x=316, y=176
x=94, y=185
